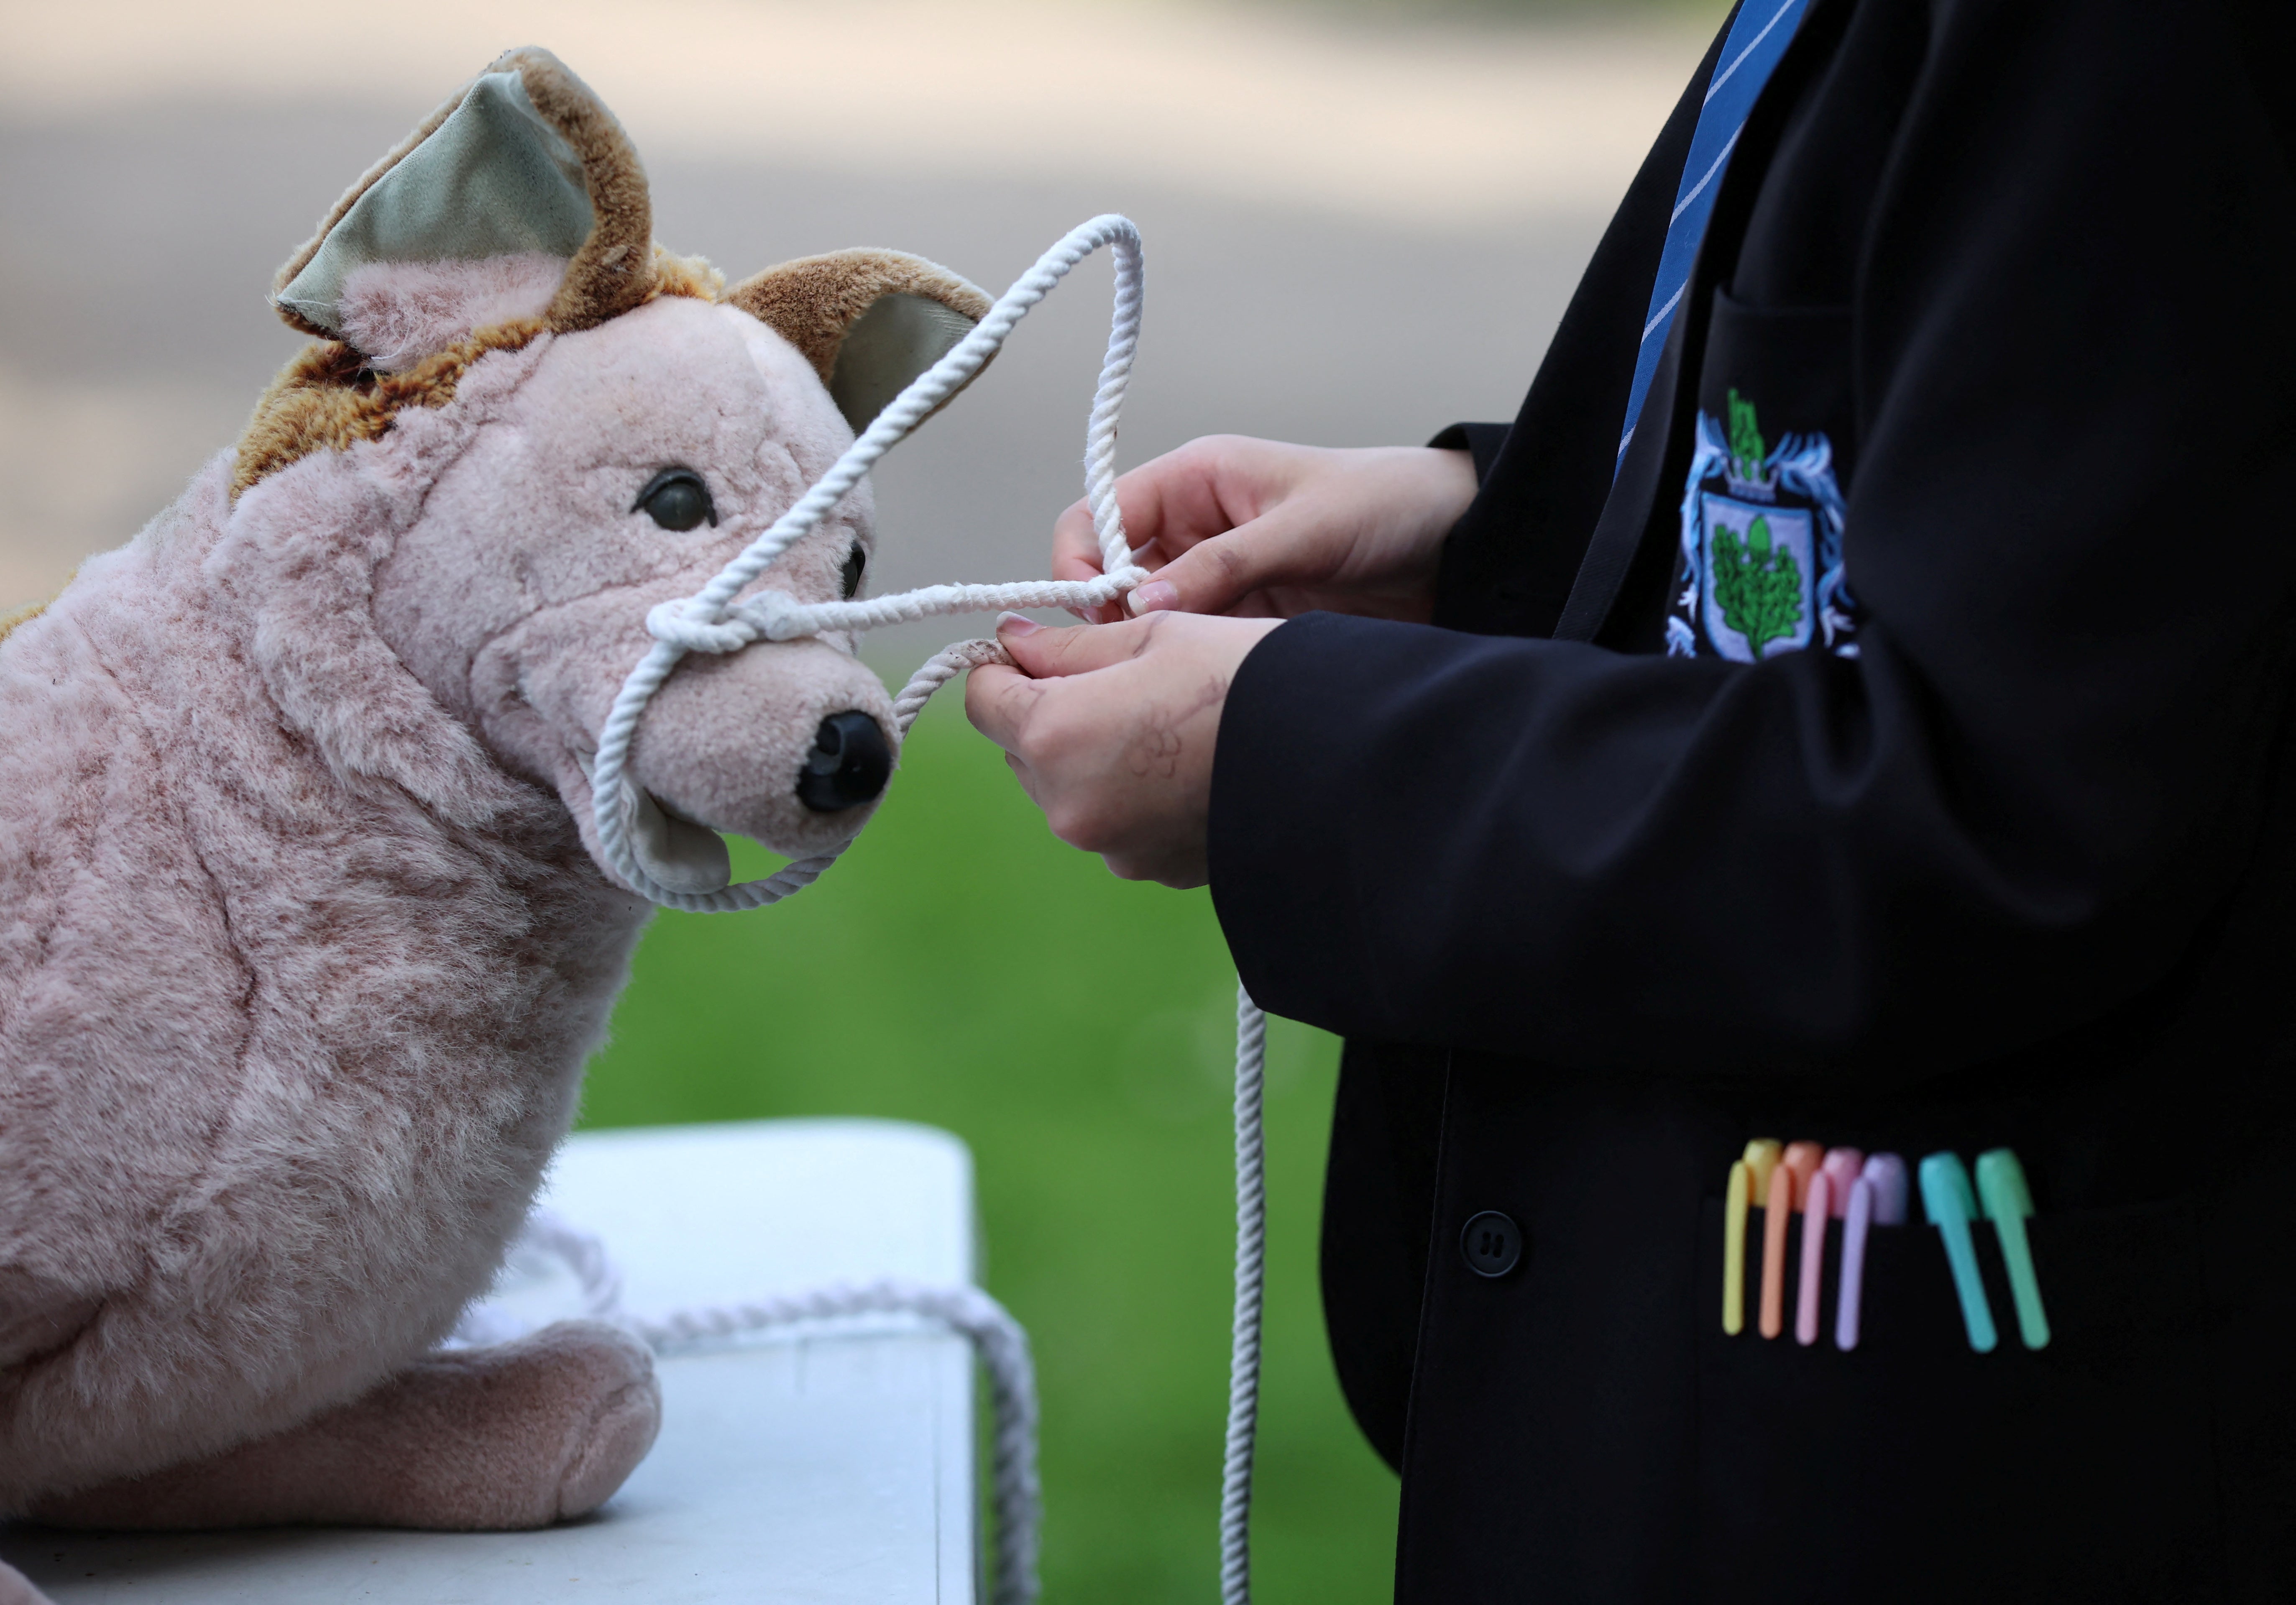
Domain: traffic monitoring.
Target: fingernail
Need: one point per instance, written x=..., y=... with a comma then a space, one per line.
x=1019, y=624
x=1157, y=595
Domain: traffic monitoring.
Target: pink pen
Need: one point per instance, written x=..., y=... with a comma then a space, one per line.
x=1828, y=1198
x=1842, y=1165
x=1879, y=1194
x=1817, y=1205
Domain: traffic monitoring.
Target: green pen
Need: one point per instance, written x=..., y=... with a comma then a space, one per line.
x=1950, y=1206
x=2001, y=1184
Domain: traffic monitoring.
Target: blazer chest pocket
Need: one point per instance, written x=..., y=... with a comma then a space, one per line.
x=1788, y=369
x=1761, y=567
x=1911, y=1466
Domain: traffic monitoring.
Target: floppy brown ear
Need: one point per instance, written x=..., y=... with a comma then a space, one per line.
x=869, y=321
x=524, y=158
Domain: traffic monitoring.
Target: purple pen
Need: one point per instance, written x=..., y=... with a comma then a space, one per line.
x=1878, y=1195
x=1893, y=1189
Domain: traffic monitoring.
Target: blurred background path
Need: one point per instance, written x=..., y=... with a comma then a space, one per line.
x=1358, y=229
x=1361, y=225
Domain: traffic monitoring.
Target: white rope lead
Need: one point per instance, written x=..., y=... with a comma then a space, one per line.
x=1001, y=1342
x=718, y=619
x=1250, y=1265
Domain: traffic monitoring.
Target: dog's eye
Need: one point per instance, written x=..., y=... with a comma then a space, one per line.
x=855, y=561
x=677, y=498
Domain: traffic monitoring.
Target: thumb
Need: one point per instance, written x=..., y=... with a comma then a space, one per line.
x=1214, y=575
x=1043, y=653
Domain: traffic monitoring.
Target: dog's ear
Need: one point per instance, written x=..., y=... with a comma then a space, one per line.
x=869, y=321
x=521, y=197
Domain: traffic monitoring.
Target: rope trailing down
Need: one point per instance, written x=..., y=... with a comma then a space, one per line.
x=1001, y=1342
x=719, y=619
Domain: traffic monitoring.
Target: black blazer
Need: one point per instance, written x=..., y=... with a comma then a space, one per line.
x=1996, y=844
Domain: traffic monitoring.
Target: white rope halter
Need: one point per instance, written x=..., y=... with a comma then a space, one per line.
x=713, y=620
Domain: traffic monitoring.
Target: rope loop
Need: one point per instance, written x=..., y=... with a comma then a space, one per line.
x=713, y=620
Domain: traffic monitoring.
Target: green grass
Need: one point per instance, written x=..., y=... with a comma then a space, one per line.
x=962, y=967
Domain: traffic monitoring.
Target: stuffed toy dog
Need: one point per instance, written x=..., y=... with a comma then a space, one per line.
x=304, y=934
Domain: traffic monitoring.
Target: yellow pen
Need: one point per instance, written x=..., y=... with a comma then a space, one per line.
x=1734, y=1249
x=1749, y=1181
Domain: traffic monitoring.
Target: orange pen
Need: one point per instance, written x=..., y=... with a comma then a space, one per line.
x=1789, y=1185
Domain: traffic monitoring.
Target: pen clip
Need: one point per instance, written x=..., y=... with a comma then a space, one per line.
x=1750, y=1184
x=1887, y=1173
x=1877, y=1197
x=1827, y=1199
x=1734, y=1247
x=1950, y=1204
x=2008, y=1201
x=1789, y=1185
x=1841, y=1168
x=1817, y=1209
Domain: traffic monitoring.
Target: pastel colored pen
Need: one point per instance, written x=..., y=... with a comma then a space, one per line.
x=1759, y=1160
x=1950, y=1204
x=1817, y=1209
x=1734, y=1247
x=1842, y=1168
x=1802, y=1158
x=1877, y=1197
x=1854, y=1226
x=1887, y=1173
x=1788, y=1184
x=2008, y=1201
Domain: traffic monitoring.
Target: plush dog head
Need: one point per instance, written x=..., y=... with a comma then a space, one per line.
x=543, y=425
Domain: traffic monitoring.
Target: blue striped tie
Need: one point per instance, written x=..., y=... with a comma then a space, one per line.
x=1758, y=38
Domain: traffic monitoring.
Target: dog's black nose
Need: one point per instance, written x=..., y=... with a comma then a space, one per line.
x=849, y=764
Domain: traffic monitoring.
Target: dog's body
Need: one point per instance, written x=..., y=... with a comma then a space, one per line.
x=303, y=937
x=283, y=1049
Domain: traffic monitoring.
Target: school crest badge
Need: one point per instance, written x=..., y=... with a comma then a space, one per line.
x=1760, y=567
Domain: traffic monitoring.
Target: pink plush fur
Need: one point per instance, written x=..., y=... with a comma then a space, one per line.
x=302, y=939
x=477, y=1438
x=397, y=313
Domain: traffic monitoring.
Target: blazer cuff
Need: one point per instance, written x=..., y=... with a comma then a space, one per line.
x=1480, y=442
x=1285, y=840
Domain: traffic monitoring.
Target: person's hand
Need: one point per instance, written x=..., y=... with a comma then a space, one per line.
x=1111, y=726
x=1258, y=528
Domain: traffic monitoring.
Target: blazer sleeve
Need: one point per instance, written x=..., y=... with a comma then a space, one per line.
x=2021, y=804
x=1479, y=441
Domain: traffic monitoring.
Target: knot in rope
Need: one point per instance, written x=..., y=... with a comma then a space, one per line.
x=683, y=623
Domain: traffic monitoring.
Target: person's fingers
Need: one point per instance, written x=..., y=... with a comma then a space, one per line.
x=1076, y=549
x=1201, y=490
x=1212, y=576
x=1181, y=503
x=998, y=701
x=1048, y=653
x=1076, y=556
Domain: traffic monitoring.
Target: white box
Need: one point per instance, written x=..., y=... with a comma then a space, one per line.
x=817, y=1466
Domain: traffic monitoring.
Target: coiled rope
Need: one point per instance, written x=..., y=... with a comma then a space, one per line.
x=718, y=619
